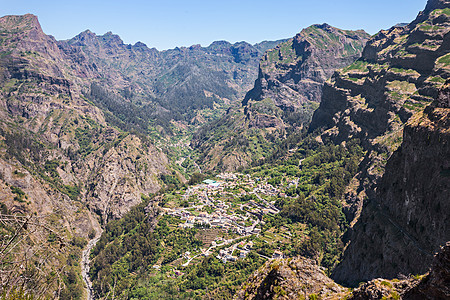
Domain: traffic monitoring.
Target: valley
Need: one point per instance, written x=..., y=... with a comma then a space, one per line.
x=314, y=167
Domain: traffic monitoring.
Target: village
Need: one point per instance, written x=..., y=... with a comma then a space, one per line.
x=234, y=203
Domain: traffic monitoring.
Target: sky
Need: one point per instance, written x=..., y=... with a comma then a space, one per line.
x=168, y=24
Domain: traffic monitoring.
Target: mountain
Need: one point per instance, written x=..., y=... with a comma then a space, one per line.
x=400, y=72
x=393, y=85
x=285, y=94
x=292, y=74
x=172, y=84
x=82, y=132
x=43, y=103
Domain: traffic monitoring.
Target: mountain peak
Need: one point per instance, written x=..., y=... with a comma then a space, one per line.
x=112, y=38
x=21, y=23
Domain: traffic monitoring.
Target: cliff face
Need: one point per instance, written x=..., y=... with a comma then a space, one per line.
x=293, y=73
x=409, y=216
x=399, y=74
x=283, y=98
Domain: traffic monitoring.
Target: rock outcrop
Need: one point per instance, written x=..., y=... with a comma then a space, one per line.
x=293, y=73
x=294, y=278
x=434, y=285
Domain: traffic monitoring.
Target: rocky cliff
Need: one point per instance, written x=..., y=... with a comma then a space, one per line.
x=292, y=74
x=399, y=74
x=43, y=105
x=283, y=98
x=409, y=216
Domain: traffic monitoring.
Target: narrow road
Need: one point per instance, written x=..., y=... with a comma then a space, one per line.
x=85, y=261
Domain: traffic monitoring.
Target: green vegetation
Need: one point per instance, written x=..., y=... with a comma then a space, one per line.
x=20, y=195
x=130, y=248
x=358, y=65
x=142, y=256
x=315, y=200
x=445, y=11
x=445, y=59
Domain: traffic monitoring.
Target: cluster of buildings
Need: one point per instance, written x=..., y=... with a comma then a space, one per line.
x=235, y=252
x=221, y=215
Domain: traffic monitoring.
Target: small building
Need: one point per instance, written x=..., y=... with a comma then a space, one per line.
x=277, y=254
x=208, y=181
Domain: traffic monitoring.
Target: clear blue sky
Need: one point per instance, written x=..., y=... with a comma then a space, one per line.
x=169, y=23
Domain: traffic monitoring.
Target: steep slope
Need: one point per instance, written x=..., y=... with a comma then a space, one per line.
x=283, y=98
x=293, y=73
x=409, y=216
x=42, y=103
x=399, y=74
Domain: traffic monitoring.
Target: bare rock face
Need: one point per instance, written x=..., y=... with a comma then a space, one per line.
x=294, y=278
x=292, y=74
x=434, y=285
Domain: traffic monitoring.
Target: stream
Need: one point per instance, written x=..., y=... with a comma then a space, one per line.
x=85, y=261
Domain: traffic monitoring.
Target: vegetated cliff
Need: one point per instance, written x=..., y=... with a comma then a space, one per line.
x=409, y=216
x=292, y=74
x=283, y=98
x=399, y=74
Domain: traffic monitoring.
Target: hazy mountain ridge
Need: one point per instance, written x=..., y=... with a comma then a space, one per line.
x=195, y=77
